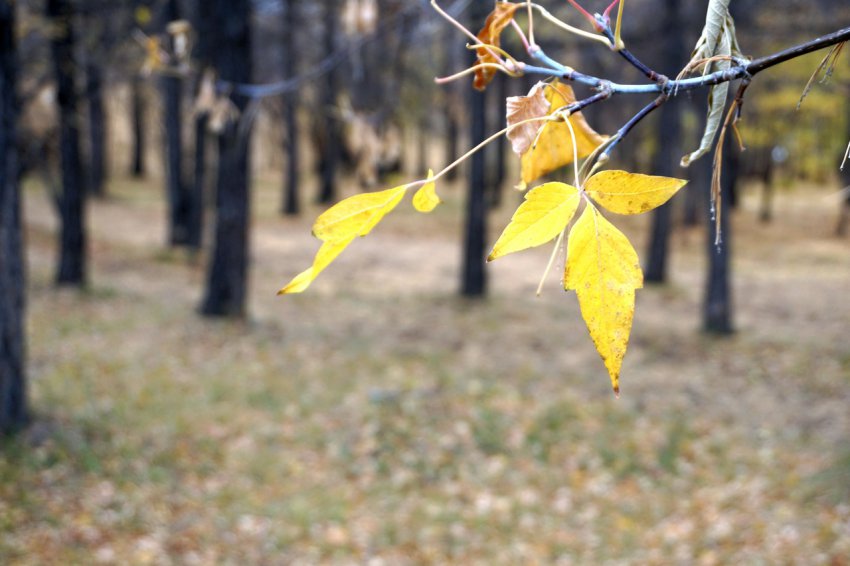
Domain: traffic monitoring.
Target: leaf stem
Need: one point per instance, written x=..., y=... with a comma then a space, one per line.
x=552, y=257
x=465, y=156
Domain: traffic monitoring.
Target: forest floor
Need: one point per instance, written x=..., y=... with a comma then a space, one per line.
x=381, y=419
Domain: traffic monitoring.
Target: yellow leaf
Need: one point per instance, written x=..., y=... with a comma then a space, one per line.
x=426, y=199
x=545, y=213
x=554, y=147
x=631, y=193
x=603, y=269
x=357, y=215
x=326, y=254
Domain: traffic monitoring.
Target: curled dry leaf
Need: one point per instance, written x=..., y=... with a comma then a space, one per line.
x=490, y=34
x=553, y=147
x=519, y=108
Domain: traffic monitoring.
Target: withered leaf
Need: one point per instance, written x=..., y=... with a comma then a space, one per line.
x=490, y=34
x=519, y=108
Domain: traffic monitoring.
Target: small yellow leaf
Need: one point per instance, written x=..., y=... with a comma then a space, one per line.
x=631, y=193
x=326, y=254
x=554, y=147
x=545, y=213
x=426, y=199
x=602, y=267
x=357, y=215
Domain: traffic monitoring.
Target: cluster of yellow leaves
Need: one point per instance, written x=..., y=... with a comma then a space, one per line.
x=602, y=266
x=352, y=217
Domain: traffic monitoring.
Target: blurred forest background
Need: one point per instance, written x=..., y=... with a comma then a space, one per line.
x=414, y=406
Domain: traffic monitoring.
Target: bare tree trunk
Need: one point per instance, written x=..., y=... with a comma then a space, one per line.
x=329, y=135
x=97, y=128
x=699, y=185
x=227, y=280
x=291, y=201
x=13, y=393
x=72, y=241
x=197, y=193
x=501, y=145
x=474, y=281
x=717, y=306
x=137, y=118
x=668, y=153
x=844, y=218
x=175, y=187
x=450, y=96
x=766, y=208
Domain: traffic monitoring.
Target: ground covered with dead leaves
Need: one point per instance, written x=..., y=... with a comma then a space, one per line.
x=380, y=419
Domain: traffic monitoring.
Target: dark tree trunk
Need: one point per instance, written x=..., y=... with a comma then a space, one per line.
x=501, y=146
x=13, y=397
x=72, y=241
x=766, y=170
x=97, y=128
x=717, y=308
x=667, y=156
x=699, y=185
x=195, y=226
x=196, y=196
x=423, y=136
x=227, y=280
x=474, y=277
x=175, y=188
x=844, y=218
x=137, y=116
x=291, y=203
x=450, y=96
x=329, y=134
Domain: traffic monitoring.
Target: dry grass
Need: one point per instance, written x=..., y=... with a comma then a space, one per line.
x=380, y=419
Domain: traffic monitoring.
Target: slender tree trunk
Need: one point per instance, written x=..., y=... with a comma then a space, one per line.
x=668, y=153
x=291, y=201
x=844, y=219
x=717, y=306
x=423, y=136
x=195, y=227
x=699, y=185
x=227, y=280
x=175, y=188
x=450, y=96
x=329, y=135
x=501, y=146
x=72, y=241
x=197, y=193
x=97, y=128
x=474, y=281
x=766, y=208
x=13, y=395
x=137, y=118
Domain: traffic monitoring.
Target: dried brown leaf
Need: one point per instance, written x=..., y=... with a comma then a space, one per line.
x=490, y=34
x=519, y=108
